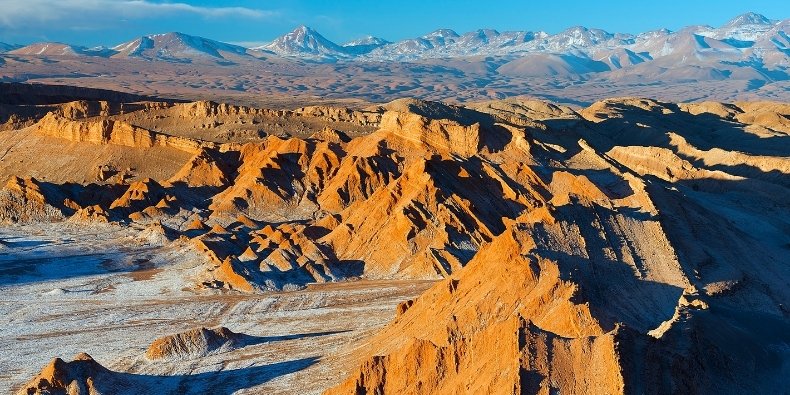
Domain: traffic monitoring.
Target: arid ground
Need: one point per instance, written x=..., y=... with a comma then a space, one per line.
x=161, y=245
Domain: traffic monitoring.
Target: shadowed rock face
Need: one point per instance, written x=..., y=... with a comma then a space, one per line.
x=22, y=200
x=574, y=251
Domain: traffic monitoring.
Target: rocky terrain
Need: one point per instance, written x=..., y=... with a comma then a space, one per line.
x=513, y=246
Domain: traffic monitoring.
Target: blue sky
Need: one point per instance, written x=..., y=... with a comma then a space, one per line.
x=109, y=22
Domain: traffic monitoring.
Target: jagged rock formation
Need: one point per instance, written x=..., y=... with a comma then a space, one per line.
x=208, y=168
x=71, y=378
x=540, y=308
x=576, y=251
x=220, y=122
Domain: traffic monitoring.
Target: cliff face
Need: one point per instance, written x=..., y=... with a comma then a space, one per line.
x=440, y=135
x=22, y=105
x=515, y=322
x=209, y=109
x=112, y=132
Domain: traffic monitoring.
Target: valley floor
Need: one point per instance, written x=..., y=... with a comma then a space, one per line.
x=110, y=291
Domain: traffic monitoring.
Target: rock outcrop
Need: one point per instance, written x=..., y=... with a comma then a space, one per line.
x=208, y=168
x=24, y=200
x=193, y=343
x=77, y=377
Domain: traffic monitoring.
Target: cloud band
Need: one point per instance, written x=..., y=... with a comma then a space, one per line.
x=29, y=13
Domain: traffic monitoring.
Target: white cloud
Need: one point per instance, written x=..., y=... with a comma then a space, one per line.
x=27, y=14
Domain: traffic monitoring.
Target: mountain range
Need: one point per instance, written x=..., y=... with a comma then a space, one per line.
x=749, y=38
x=747, y=58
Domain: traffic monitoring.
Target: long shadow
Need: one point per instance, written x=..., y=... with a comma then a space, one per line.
x=27, y=259
x=25, y=267
x=773, y=176
x=604, y=276
x=250, y=340
x=40, y=94
x=723, y=245
x=9, y=243
x=704, y=131
x=224, y=382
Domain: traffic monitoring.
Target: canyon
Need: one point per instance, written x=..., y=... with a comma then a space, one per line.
x=159, y=244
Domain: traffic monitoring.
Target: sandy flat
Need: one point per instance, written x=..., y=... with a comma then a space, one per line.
x=102, y=290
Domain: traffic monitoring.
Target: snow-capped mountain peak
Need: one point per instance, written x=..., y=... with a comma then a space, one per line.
x=749, y=18
x=749, y=36
x=441, y=33
x=742, y=29
x=304, y=41
x=177, y=46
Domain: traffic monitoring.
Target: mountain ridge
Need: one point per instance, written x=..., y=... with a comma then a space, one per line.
x=747, y=58
x=742, y=32
x=175, y=46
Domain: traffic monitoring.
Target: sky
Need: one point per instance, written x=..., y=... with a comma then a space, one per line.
x=110, y=22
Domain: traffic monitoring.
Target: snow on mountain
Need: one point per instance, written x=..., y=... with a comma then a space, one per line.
x=364, y=45
x=748, y=19
x=750, y=40
x=367, y=40
x=477, y=38
x=178, y=47
x=305, y=42
x=441, y=37
x=773, y=47
x=445, y=43
x=415, y=47
x=733, y=40
x=401, y=50
x=492, y=42
x=685, y=44
x=575, y=38
x=744, y=28
x=60, y=49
